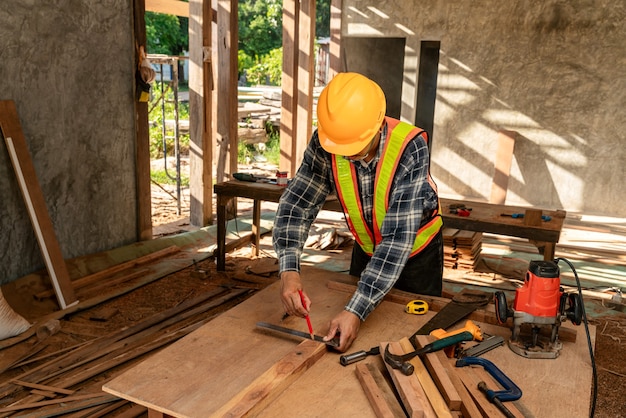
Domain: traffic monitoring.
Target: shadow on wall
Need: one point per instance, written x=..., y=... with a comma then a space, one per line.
x=546, y=167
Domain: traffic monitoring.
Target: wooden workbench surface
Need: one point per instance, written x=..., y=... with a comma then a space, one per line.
x=197, y=375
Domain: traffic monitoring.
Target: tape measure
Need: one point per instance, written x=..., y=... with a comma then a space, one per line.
x=416, y=307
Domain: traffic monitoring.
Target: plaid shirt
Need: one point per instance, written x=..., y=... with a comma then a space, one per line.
x=411, y=195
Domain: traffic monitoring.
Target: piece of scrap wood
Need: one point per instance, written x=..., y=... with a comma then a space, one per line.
x=43, y=393
x=20, y=407
x=432, y=393
x=469, y=408
x=264, y=389
x=471, y=384
x=103, y=314
x=102, y=274
x=43, y=387
x=379, y=394
x=409, y=388
x=35, y=203
x=439, y=374
x=484, y=375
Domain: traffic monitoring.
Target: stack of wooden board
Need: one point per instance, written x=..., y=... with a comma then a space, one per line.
x=461, y=249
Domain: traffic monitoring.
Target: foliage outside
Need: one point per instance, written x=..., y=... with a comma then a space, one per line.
x=259, y=58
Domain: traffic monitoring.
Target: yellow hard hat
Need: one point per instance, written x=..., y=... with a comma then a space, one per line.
x=350, y=110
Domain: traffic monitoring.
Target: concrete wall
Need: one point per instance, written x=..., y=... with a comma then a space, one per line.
x=68, y=66
x=552, y=71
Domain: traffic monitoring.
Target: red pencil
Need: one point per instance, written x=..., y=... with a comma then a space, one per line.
x=308, y=320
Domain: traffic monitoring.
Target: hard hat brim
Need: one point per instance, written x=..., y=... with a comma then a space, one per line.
x=345, y=149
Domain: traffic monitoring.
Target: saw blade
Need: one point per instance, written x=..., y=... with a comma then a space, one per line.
x=333, y=343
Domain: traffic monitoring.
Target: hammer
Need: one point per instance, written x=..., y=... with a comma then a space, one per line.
x=401, y=361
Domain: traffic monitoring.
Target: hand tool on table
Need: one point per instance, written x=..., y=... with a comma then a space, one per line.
x=461, y=305
x=244, y=177
x=347, y=359
x=332, y=343
x=511, y=391
x=417, y=307
x=308, y=319
x=459, y=209
x=470, y=327
x=401, y=361
x=540, y=302
x=544, y=218
x=251, y=178
x=482, y=347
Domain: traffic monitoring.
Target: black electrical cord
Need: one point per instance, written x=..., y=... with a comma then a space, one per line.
x=593, y=361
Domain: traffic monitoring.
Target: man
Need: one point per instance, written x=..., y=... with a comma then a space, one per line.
x=379, y=169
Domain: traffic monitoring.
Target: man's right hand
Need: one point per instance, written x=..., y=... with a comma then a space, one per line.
x=290, y=284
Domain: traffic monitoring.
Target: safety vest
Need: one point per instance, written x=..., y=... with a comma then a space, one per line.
x=399, y=134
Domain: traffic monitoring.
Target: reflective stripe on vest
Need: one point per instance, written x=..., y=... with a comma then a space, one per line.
x=347, y=191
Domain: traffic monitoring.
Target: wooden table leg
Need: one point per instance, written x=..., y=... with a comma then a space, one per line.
x=221, y=232
x=256, y=226
x=548, y=251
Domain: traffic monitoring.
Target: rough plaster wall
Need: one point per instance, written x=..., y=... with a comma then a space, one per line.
x=552, y=71
x=68, y=66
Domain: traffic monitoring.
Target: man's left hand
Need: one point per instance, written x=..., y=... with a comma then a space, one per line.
x=347, y=325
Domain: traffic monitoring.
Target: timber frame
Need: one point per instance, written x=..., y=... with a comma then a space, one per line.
x=213, y=39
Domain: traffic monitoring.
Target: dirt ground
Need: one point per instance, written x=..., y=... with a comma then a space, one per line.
x=186, y=284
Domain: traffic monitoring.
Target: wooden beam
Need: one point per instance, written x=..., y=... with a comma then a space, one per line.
x=289, y=103
x=264, y=389
x=227, y=41
x=35, y=203
x=432, y=393
x=379, y=394
x=296, y=120
x=201, y=112
x=409, y=388
x=439, y=374
x=169, y=7
x=336, y=64
x=142, y=144
x=306, y=79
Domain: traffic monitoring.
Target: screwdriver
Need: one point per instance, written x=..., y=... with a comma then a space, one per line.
x=544, y=218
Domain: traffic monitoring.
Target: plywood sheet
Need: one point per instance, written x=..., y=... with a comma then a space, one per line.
x=197, y=375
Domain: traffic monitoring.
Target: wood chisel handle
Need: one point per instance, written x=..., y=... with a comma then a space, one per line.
x=347, y=359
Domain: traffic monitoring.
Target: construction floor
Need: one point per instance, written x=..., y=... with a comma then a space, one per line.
x=140, y=310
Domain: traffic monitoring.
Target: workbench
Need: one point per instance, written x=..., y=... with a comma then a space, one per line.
x=207, y=372
x=484, y=217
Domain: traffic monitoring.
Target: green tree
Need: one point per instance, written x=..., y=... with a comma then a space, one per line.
x=260, y=26
x=166, y=34
x=322, y=19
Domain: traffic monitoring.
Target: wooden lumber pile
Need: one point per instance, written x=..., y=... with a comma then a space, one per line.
x=63, y=382
x=461, y=249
